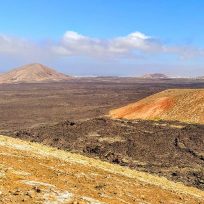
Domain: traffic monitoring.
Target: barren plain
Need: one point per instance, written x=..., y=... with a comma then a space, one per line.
x=72, y=116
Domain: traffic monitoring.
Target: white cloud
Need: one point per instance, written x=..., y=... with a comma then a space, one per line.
x=23, y=49
x=74, y=44
x=12, y=45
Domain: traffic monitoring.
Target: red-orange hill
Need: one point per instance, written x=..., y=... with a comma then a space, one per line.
x=186, y=105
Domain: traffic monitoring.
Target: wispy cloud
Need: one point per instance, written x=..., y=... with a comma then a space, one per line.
x=73, y=43
x=23, y=48
x=12, y=45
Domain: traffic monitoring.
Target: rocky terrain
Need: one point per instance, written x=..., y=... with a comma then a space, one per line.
x=33, y=173
x=32, y=73
x=170, y=149
x=70, y=116
x=186, y=105
x=26, y=105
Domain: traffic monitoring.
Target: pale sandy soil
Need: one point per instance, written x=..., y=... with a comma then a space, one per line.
x=33, y=173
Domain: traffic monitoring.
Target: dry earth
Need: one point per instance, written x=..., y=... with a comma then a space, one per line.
x=33, y=173
x=170, y=149
x=39, y=109
x=186, y=105
x=26, y=105
x=32, y=73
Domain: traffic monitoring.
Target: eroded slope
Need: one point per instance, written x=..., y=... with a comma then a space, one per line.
x=170, y=149
x=32, y=73
x=33, y=173
x=186, y=105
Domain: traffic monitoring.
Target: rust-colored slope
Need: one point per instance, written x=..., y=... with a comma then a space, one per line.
x=185, y=105
x=33, y=173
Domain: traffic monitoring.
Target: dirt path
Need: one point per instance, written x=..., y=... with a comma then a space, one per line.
x=33, y=173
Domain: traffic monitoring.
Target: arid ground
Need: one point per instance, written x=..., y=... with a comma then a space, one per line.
x=27, y=105
x=185, y=105
x=58, y=177
x=71, y=116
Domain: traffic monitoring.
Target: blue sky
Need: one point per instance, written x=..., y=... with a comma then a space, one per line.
x=104, y=37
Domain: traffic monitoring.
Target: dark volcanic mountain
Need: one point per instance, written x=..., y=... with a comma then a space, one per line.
x=32, y=73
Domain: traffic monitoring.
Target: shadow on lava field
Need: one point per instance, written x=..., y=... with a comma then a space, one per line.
x=170, y=149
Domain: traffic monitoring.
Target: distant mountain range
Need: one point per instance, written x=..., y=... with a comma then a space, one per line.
x=155, y=76
x=32, y=73
x=35, y=73
x=200, y=77
x=164, y=76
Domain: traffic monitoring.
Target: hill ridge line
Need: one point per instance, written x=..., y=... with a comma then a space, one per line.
x=42, y=150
